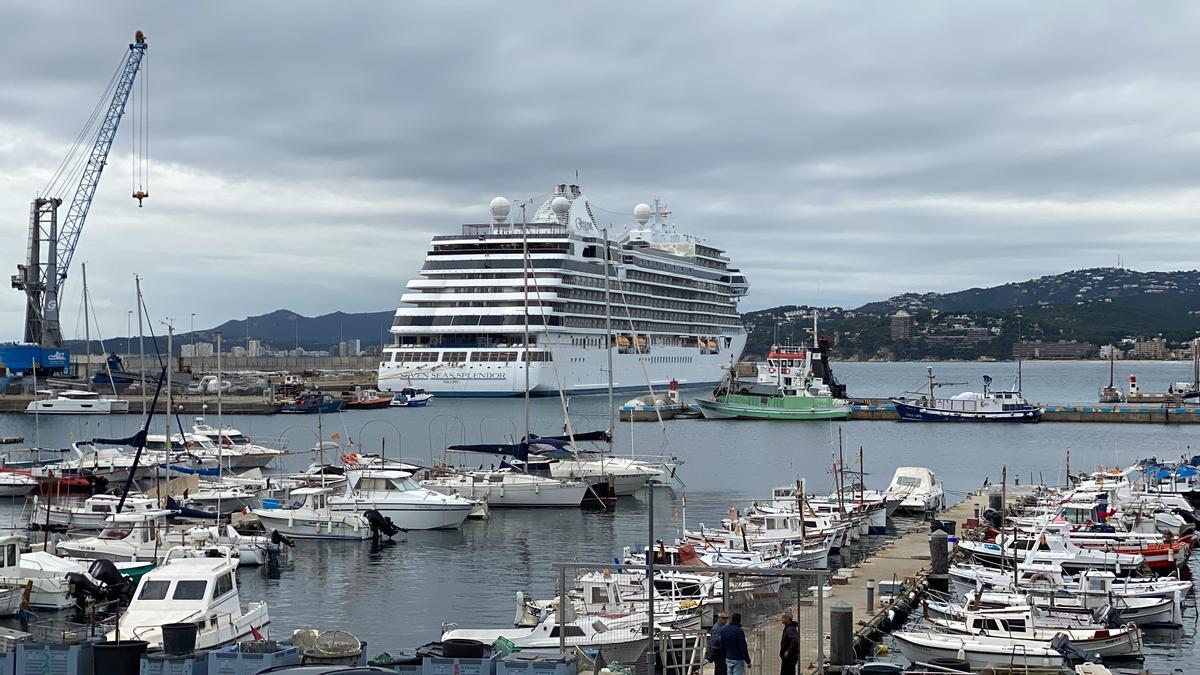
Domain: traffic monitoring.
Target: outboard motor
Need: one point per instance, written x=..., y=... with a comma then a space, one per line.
x=380, y=524
x=1062, y=645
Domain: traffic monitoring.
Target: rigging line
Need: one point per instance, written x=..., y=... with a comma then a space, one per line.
x=100, y=338
x=83, y=133
x=642, y=359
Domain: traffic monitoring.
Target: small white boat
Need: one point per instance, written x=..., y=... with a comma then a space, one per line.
x=75, y=402
x=185, y=589
x=508, y=488
x=980, y=651
x=46, y=573
x=126, y=537
x=411, y=397
x=13, y=484
x=236, y=450
x=90, y=514
x=397, y=496
x=111, y=463
x=917, y=490
x=1022, y=626
x=618, y=637
x=309, y=516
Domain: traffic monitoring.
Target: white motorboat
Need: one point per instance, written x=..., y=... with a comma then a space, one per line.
x=14, y=484
x=411, y=397
x=1053, y=548
x=90, y=514
x=508, y=488
x=251, y=551
x=223, y=497
x=75, y=402
x=1023, y=626
x=236, y=450
x=113, y=464
x=626, y=478
x=617, y=637
x=980, y=651
x=126, y=537
x=971, y=578
x=1141, y=611
x=309, y=516
x=681, y=600
x=46, y=575
x=917, y=490
x=397, y=496
x=186, y=589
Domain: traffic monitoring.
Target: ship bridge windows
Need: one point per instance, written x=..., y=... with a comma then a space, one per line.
x=418, y=357
x=539, y=356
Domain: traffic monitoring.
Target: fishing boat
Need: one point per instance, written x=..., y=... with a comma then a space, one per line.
x=308, y=516
x=411, y=397
x=16, y=484
x=311, y=404
x=795, y=383
x=126, y=537
x=396, y=495
x=1023, y=626
x=917, y=490
x=187, y=589
x=618, y=637
x=75, y=402
x=989, y=406
x=369, y=399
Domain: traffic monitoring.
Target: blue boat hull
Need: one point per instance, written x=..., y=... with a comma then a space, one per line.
x=913, y=413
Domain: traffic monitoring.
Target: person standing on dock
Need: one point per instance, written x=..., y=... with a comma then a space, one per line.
x=733, y=641
x=789, y=645
x=716, y=653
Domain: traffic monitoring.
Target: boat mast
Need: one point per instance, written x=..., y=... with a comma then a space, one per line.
x=525, y=326
x=1112, y=364
x=220, y=427
x=608, y=340
x=815, y=339
x=841, y=474
x=137, y=282
x=167, y=417
x=929, y=371
x=87, y=333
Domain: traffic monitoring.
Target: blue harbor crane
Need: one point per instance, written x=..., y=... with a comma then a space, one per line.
x=51, y=243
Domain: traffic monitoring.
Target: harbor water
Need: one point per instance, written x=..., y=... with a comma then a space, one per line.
x=398, y=595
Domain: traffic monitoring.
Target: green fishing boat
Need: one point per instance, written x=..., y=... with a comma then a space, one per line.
x=795, y=383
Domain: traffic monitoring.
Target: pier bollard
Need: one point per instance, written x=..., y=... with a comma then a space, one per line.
x=996, y=502
x=939, y=583
x=939, y=552
x=870, y=595
x=841, y=639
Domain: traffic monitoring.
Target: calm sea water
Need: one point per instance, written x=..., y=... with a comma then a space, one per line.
x=397, y=596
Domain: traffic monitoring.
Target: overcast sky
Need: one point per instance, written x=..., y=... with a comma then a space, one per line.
x=303, y=154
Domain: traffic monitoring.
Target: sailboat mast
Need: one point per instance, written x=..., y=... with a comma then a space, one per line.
x=608, y=340
x=87, y=333
x=1112, y=364
x=840, y=475
x=137, y=281
x=220, y=426
x=815, y=339
x=929, y=371
x=167, y=416
x=525, y=327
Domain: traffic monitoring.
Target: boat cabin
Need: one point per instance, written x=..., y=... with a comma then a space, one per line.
x=314, y=498
x=375, y=480
x=135, y=528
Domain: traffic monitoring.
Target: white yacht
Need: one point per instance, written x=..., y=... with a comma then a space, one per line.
x=112, y=463
x=75, y=402
x=15, y=484
x=397, y=496
x=507, y=488
x=309, y=516
x=236, y=450
x=672, y=299
x=917, y=490
x=202, y=590
x=126, y=537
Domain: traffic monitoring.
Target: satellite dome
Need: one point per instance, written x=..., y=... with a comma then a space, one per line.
x=561, y=206
x=500, y=209
x=642, y=213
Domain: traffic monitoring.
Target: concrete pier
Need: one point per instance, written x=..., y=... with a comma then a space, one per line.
x=906, y=559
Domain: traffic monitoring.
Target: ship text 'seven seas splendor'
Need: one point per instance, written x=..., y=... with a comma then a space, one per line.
x=509, y=302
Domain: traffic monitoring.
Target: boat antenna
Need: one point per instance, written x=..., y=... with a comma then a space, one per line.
x=525, y=304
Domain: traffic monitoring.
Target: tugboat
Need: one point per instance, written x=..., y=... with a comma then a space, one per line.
x=312, y=404
x=990, y=406
x=368, y=399
x=796, y=383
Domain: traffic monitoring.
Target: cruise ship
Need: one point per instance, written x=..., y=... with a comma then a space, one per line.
x=522, y=303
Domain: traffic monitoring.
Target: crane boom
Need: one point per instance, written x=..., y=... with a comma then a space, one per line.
x=51, y=243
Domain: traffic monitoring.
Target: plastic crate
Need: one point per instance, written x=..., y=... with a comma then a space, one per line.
x=525, y=664
x=232, y=662
x=8, y=663
x=440, y=665
x=163, y=664
x=46, y=659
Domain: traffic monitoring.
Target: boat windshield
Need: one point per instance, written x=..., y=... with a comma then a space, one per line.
x=154, y=590
x=909, y=481
x=117, y=531
x=190, y=589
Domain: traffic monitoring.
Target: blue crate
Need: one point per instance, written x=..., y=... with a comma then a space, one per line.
x=233, y=662
x=35, y=658
x=162, y=664
x=440, y=665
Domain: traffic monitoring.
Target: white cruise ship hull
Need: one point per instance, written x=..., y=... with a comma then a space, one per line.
x=580, y=370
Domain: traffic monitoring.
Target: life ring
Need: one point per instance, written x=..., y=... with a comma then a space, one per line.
x=771, y=370
x=786, y=371
x=351, y=458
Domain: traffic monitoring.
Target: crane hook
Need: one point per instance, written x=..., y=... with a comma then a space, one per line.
x=140, y=195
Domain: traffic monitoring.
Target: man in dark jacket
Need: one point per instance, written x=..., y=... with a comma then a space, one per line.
x=733, y=640
x=789, y=645
x=716, y=653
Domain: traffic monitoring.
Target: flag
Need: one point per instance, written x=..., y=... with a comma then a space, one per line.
x=254, y=631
